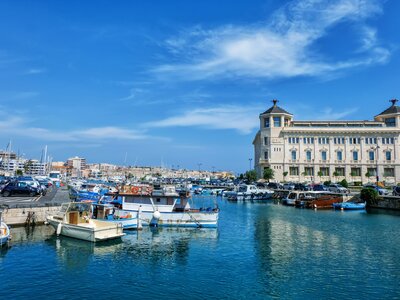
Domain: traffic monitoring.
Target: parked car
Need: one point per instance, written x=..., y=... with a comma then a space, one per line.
x=19, y=188
x=320, y=187
x=274, y=186
x=288, y=186
x=302, y=187
x=337, y=188
x=381, y=191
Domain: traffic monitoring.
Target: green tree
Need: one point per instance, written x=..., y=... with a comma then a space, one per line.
x=285, y=174
x=368, y=175
x=336, y=174
x=27, y=166
x=251, y=175
x=19, y=172
x=320, y=174
x=369, y=194
x=268, y=174
x=344, y=183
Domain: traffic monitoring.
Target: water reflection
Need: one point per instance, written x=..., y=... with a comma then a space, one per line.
x=149, y=245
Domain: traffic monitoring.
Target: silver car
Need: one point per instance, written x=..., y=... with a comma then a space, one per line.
x=337, y=188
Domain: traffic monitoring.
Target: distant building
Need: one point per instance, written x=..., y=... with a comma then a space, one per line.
x=314, y=151
x=75, y=166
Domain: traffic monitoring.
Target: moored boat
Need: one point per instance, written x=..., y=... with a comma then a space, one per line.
x=5, y=235
x=164, y=206
x=74, y=220
x=349, y=205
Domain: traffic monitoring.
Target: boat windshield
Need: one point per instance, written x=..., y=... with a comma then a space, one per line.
x=242, y=189
x=79, y=206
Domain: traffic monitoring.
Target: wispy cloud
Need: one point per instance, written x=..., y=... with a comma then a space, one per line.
x=305, y=112
x=34, y=71
x=279, y=48
x=19, y=126
x=243, y=119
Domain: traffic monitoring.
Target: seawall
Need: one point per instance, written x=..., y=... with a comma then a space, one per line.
x=23, y=216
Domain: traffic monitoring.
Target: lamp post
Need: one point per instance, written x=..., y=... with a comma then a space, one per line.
x=377, y=176
x=250, y=159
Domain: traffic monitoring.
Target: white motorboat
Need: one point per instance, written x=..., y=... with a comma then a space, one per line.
x=74, y=220
x=164, y=206
x=5, y=235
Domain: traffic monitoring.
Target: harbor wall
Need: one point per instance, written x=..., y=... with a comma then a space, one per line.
x=22, y=216
x=385, y=202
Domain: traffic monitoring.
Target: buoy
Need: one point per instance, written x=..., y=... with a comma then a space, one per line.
x=59, y=227
x=156, y=215
x=139, y=220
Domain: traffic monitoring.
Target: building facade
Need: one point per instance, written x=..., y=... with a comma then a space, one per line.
x=316, y=151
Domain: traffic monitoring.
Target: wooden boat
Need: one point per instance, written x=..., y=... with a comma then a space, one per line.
x=324, y=200
x=349, y=205
x=74, y=220
x=5, y=235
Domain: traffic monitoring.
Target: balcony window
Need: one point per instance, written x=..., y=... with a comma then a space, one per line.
x=266, y=142
x=339, y=155
x=371, y=171
x=277, y=121
x=355, y=155
x=309, y=171
x=339, y=171
x=294, y=155
x=294, y=171
x=308, y=155
x=355, y=172
x=286, y=122
x=324, y=171
x=323, y=155
x=371, y=155
x=388, y=172
x=388, y=155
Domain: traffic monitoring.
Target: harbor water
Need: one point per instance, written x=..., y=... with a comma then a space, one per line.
x=259, y=251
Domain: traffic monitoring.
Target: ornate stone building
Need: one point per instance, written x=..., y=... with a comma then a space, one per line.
x=316, y=151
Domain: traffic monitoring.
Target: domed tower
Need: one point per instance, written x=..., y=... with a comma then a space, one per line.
x=390, y=116
x=268, y=143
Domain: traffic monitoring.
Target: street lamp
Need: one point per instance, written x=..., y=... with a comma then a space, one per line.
x=250, y=159
x=377, y=176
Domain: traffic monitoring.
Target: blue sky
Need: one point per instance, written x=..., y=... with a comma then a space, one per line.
x=183, y=82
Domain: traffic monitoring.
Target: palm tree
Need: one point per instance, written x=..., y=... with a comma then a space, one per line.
x=285, y=174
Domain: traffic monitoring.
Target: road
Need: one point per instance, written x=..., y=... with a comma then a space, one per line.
x=53, y=196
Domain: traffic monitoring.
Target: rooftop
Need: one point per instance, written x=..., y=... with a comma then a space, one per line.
x=393, y=109
x=276, y=109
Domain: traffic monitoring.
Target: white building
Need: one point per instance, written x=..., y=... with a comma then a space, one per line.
x=315, y=151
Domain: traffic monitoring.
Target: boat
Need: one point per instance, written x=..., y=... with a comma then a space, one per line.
x=349, y=205
x=163, y=206
x=109, y=213
x=298, y=198
x=250, y=192
x=74, y=220
x=5, y=235
x=323, y=200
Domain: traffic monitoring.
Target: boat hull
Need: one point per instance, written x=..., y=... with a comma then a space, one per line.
x=4, y=234
x=103, y=230
x=180, y=219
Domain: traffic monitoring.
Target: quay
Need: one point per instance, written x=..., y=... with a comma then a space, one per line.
x=20, y=211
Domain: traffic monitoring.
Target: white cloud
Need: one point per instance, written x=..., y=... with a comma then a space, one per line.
x=34, y=71
x=283, y=47
x=243, y=119
x=20, y=127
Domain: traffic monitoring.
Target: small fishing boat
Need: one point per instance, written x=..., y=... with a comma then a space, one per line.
x=349, y=205
x=5, y=235
x=74, y=220
x=164, y=206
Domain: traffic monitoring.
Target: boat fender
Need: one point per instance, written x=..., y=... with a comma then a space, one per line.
x=156, y=215
x=59, y=227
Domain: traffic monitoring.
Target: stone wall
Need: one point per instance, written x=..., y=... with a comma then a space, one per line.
x=19, y=216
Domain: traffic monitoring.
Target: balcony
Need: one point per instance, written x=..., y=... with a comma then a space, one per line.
x=293, y=161
x=263, y=161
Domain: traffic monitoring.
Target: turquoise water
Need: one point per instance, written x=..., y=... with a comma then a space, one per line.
x=259, y=251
